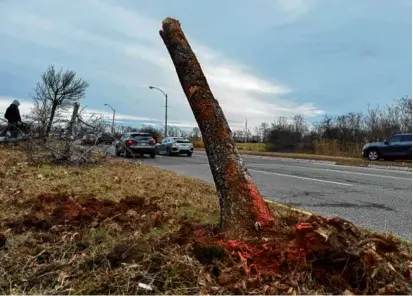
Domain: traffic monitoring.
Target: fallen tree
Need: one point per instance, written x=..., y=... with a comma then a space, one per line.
x=242, y=206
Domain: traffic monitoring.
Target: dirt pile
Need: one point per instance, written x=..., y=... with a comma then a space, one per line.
x=84, y=245
x=47, y=211
x=318, y=254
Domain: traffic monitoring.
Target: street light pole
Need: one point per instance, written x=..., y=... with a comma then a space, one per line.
x=166, y=108
x=113, y=118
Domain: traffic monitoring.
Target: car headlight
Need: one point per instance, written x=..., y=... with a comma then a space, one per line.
x=173, y=144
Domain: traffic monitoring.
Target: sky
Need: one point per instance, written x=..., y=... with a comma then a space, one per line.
x=263, y=59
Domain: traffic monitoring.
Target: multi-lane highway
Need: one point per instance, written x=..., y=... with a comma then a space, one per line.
x=377, y=199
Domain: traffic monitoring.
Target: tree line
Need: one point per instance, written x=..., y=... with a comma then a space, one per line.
x=344, y=134
x=335, y=135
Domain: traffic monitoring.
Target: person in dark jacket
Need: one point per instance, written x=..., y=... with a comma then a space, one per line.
x=13, y=119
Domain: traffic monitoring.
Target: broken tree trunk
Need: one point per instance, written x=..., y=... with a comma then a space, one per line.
x=242, y=206
x=69, y=130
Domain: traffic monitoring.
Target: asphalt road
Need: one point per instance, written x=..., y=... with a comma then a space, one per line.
x=377, y=199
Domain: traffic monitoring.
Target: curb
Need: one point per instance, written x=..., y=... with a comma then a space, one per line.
x=321, y=162
x=325, y=162
x=392, y=168
x=288, y=207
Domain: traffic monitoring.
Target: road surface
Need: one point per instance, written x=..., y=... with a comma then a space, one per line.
x=377, y=199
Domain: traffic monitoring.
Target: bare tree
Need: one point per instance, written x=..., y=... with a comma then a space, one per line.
x=195, y=132
x=242, y=206
x=40, y=114
x=404, y=105
x=56, y=91
x=156, y=133
x=264, y=127
x=300, y=126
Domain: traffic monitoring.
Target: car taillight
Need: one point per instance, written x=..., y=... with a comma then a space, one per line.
x=152, y=142
x=131, y=142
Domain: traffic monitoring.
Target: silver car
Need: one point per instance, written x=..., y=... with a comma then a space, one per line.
x=174, y=146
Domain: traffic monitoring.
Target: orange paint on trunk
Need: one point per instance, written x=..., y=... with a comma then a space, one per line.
x=232, y=172
x=263, y=214
x=205, y=108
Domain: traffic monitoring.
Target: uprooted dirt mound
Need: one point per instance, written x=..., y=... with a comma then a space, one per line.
x=316, y=255
x=49, y=211
x=324, y=255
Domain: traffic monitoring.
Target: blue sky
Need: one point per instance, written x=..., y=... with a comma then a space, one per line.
x=263, y=58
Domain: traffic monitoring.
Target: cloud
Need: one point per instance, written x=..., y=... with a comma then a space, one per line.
x=119, y=51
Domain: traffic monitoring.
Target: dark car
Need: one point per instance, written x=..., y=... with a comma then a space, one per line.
x=137, y=144
x=175, y=146
x=88, y=139
x=105, y=138
x=398, y=146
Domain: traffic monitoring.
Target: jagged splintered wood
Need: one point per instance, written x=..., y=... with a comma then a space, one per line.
x=242, y=206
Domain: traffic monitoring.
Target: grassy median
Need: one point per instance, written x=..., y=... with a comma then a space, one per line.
x=339, y=160
x=126, y=228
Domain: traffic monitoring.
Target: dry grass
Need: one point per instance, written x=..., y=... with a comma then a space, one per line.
x=104, y=229
x=253, y=147
x=338, y=159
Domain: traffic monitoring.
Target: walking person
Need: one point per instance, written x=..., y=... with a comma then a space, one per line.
x=13, y=119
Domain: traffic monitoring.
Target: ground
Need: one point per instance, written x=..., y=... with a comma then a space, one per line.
x=260, y=149
x=123, y=228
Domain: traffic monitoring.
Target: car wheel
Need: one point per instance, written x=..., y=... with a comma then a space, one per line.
x=189, y=154
x=168, y=152
x=373, y=155
x=153, y=155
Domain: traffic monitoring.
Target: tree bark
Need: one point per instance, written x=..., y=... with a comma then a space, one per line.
x=242, y=206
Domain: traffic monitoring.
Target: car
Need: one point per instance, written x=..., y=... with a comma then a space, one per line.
x=398, y=146
x=106, y=138
x=174, y=146
x=79, y=135
x=88, y=139
x=136, y=143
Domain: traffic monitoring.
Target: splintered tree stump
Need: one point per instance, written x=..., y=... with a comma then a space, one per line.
x=242, y=206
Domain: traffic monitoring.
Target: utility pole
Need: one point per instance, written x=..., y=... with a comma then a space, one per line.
x=166, y=115
x=246, y=130
x=166, y=108
x=113, y=118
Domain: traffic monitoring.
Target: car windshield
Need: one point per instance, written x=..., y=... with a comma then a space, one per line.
x=182, y=140
x=141, y=137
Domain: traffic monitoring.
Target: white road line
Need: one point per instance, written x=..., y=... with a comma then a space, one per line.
x=364, y=174
x=303, y=178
